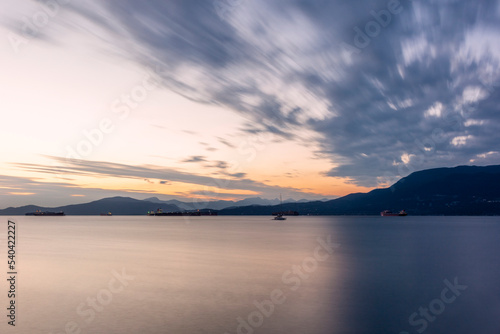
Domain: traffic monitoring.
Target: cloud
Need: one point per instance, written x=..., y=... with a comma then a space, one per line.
x=195, y=158
x=100, y=169
x=225, y=142
x=221, y=164
x=208, y=147
x=238, y=175
x=435, y=110
x=294, y=70
x=20, y=191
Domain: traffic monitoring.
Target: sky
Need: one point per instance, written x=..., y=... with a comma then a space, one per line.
x=229, y=99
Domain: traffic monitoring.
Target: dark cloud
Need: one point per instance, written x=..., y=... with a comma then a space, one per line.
x=225, y=142
x=383, y=129
x=221, y=164
x=238, y=175
x=212, y=164
x=419, y=91
x=195, y=158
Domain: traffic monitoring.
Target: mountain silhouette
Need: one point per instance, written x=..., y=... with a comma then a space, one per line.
x=462, y=190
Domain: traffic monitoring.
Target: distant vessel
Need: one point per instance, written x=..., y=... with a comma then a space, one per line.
x=279, y=216
x=45, y=213
x=159, y=212
x=388, y=213
x=286, y=213
x=106, y=214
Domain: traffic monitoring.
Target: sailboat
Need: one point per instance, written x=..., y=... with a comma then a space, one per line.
x=279, y=216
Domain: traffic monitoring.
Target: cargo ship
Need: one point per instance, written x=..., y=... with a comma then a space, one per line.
x=286, y=213
x=388, y=213
x=45, y=213
x=159, y=212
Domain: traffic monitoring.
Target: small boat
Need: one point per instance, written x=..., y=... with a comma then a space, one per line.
x=106, y=214
x=388, y=213
x=279, y=216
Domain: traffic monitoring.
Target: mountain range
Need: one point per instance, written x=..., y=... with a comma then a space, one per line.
x=196, y=204
x=130, y=206
x=462, y=190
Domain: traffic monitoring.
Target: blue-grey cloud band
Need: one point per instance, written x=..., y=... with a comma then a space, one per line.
x=388, y=87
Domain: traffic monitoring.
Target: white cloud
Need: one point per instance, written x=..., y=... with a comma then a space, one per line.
x=460, y=140
x=472, y=122
x=473, y=94
x=435, y=110
x=485, y=155
x=479, y=42
x=405, y=158
x=416, y=49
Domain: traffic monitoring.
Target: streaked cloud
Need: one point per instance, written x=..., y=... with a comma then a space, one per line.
x=421, y=93
x=263, y=61
x=227, y=183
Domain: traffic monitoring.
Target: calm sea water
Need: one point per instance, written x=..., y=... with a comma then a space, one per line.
x=313, y=275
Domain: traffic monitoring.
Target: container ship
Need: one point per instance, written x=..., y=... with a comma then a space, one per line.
x=388, y=213
x=286, y=213
x=45, y=213
x=160, y=212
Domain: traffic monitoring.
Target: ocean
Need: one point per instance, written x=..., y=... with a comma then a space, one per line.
x=251, y=274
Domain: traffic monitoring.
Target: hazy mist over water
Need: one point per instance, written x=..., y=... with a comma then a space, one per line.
x=318, y=275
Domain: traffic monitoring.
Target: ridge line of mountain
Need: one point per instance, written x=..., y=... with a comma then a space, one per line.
x=461, y=190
